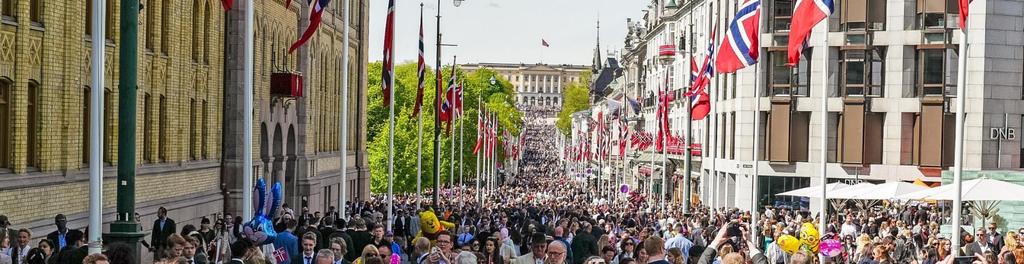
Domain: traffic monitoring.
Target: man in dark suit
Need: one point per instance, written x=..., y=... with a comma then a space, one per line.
x=584, y=244
x=308, y=254
x=163, y=227
x=59, y=237
x=191, y=254
x=326, y=232
x=238, y=251
x=76, y=249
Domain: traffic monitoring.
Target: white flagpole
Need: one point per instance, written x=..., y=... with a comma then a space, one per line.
x=343, y=126
x=479, y=152
x=247, y=71
x=757, y=136
x=96, y=127
x=391, y=137
x=958, y=160
x=419, y=160
x=462, y=184
x=823, y=222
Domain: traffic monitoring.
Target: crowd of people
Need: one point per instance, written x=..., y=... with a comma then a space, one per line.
x=539, y=216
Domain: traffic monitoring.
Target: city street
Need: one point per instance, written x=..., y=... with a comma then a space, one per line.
x=512, y=132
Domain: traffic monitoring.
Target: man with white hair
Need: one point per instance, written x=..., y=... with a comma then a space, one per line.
x=325, y=256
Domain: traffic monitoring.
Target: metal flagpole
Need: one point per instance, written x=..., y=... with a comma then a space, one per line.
x=343, y=126
x=958, y=160
x=479, y=152
x=823, y=222
x=437, y=115
x=462, y=185
x=757, y=152
x=664, y=152
x=419, y=128
x=96, y=127
x=247, y=72
x=391, y=139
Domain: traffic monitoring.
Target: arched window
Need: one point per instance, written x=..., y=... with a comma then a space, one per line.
x=147, y=128
x=206, y=34
x=150, y=11
x=165, y=25
x=205, y=135
x=162, y=133
x=86, y=128
x=196, y=27
x=5, y=123
x=109, y=124
x=193, y=130
x=32, y=144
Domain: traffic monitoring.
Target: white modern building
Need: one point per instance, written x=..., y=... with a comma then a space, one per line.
x=892, y=73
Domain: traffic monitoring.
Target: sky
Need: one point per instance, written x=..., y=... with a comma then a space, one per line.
x=506, y=31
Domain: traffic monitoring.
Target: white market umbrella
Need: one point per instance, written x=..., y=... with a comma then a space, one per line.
x=850, y=192
x=814, y=191
x=887, y=191
x=983, y=189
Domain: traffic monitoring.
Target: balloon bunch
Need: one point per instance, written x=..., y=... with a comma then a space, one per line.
x=808, y=241
x=830, y=246
x=260, y=230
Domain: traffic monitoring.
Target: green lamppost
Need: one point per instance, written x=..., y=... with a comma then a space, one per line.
x=125, y=229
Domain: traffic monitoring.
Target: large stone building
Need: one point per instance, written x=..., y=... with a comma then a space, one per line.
x=535, y=84
x=189, y=108
x=892, y=67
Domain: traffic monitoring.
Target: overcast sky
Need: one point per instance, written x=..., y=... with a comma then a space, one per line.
x=507, y=31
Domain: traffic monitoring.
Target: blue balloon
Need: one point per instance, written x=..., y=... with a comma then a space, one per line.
x=260, y=229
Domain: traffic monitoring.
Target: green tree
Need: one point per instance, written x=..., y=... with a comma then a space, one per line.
x=575, y=97
x=499, y=98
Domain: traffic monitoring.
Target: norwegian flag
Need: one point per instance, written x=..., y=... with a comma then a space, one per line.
x=479, y=131
x=421, y=72
x=662, y=115
x=701, y=106
x=965, y=9
x=806, y=14
x=448, y=103
x=694, y=70
x=707, y=69
x=287, y=3
x=458, y=99
x=389, y=59
x=741, y=45
x=494, y=134
x=281, y=255
x=314, y=23
x=623, y=131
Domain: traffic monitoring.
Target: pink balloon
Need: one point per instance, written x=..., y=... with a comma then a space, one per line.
x=830, y=247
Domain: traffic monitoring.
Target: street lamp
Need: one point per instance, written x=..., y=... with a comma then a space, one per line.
x=493, y=80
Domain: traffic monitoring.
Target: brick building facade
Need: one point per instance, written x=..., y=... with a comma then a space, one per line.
x=188, y=108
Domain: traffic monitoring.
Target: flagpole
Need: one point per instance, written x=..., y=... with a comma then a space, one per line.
x=462, y=184
x=343, y=126
x=419, y=124
x=391, y=134
x=437, y=116
x=247, y=86
x=958, y=161
x=756, y=158
x=96, y=127
x=823, y=222
x=479, y=153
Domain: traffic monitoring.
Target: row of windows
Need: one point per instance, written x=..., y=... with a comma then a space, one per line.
x=9, y=10
x=869, y=15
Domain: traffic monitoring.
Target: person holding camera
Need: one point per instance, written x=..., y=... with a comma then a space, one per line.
x=733, y=235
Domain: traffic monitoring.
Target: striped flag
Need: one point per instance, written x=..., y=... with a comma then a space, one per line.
x=314, y=23
x=707, y=69
x=389, y=59
x=421, y=72
x=479, y=131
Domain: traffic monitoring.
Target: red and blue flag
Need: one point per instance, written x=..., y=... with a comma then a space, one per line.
x=741, y=45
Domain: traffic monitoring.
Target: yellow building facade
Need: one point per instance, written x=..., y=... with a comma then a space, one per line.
x=185, y=107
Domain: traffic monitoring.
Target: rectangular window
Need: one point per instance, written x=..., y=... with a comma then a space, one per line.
x=88, y=18
x=193, y=130
x=782, y=15
x=147, y=128
x=32, y=143
x=162, y=134
x=35, y=12
x=86, y=128
x=5, y=122
x=786, y=81
x=165, y=25
x=937, y=14
x=936, y=71
x=7, y=10
x=862, y=71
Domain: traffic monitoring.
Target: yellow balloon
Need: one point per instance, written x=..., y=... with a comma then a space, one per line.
x=789, y=244
x=809, y=236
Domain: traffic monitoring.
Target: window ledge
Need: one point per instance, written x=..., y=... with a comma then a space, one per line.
x=36, y=26
x=6, y=20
